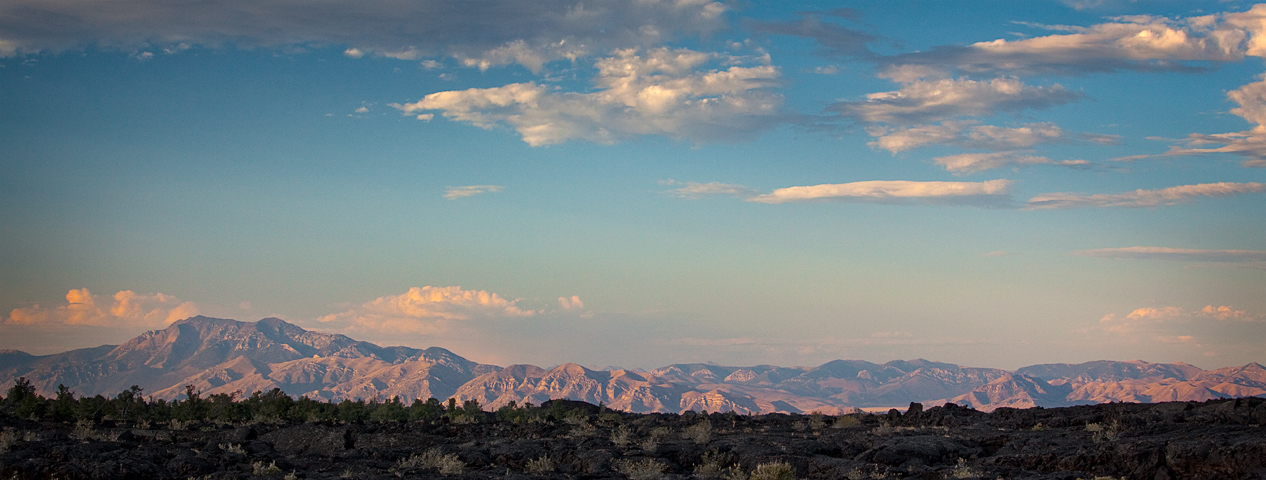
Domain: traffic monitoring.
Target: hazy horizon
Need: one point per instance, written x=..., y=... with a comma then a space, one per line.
x=639, y=184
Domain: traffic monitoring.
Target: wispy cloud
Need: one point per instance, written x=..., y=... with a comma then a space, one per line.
x=835, y=40
x=676, y=93
x=454, y=193
x=694, y=190
x=1143, y=198
x=924, y=101
x=964, y=163
x=991, y=192
x=894, y=191
x=966, y=134
x=1252, y=257
x=124, y=309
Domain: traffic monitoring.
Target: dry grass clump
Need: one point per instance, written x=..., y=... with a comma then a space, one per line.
x=713, y=465
x=446, y=464
x=582, y=429
x=700, y=432
x=620, y=436
x=83, y=430
x=1100, y=434
x=541, y=465
x=8, y=438
x=231, y=448
x=258, y=468
x=647, y=469
x=963, y=471
x=652, y=442
x=846, y=421
x=817, y=421
x=773, y=471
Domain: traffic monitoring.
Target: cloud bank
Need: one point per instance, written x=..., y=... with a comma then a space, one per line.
x=126, y=309
x=479, y=34
x=1139, y=43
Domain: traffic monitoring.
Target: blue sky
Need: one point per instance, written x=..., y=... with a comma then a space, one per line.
x=642, y=183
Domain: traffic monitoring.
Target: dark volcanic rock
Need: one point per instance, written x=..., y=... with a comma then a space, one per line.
x=1220, y=439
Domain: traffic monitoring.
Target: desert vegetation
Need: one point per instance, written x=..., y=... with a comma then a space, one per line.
x=271, y=435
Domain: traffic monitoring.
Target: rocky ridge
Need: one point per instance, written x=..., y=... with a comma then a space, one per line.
x=227, y=356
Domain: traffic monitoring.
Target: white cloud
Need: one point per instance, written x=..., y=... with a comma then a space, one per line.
x=898, y=191
x=1250, y=143
x=656, y=92
x=923, y=101
x=482, y=34
x=694, y=190
x=1128, y=43
x=427, y=310
x=572, y=303
x=1143, y=198
x=454, y=193
x=124, y=309
x=977, y=162
x=1177, y=254
x=1153, y=319
x=966, y=134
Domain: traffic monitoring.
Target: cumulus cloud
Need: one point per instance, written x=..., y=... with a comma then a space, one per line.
x=924, y=101
x=1178, y=254
x=481, y=34
x=1141, y=43
x=894, y=191
x=1166, y=321
x=427, y=310
x=454, y=193
x=668, y=92
x=572, y=303
x=1143, y=198
x=1249, y=143
x=124, y=309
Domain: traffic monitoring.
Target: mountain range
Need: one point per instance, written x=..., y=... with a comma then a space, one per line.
x=227, y=356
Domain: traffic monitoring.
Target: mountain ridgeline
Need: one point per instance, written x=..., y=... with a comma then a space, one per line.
x=227, y=356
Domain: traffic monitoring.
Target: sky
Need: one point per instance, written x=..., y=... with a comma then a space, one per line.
x=647, y=182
